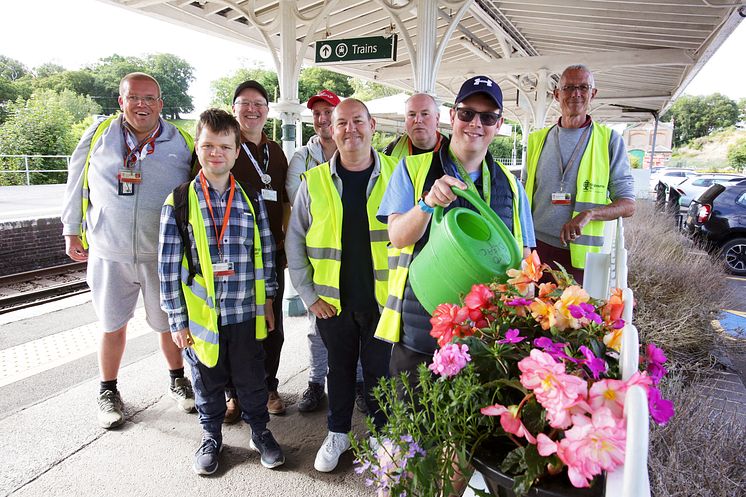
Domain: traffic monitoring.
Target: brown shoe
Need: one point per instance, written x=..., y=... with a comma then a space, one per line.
x=275, y=405
x=232, y=411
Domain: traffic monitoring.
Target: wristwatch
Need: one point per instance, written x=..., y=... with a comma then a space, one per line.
x=423, y=205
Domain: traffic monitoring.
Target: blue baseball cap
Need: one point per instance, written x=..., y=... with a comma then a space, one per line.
x=481, y=84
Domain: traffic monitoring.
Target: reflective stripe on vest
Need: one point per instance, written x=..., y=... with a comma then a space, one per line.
x=389, y=325
x=102, y=127
x=592, y=186
x=200, y=295
x=324, y=237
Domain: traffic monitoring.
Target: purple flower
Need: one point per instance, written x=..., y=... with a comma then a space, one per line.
x=585, y=310
x=655, y=358
x=576, y=311
x=661, y=410
x=556, y=350
x=511, y=336
x=519, y=301
x=595, y=364
x=618, y=324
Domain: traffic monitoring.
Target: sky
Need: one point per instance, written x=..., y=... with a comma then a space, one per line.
x=75, y=33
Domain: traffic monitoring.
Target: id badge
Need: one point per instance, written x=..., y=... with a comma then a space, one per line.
x=125, y=189
x=223, y=269
x=129, y=176
x=561, y=198
x=269, y=195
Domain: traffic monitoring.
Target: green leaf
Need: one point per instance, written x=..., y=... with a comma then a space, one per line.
x=522, y=484
x=514, y=462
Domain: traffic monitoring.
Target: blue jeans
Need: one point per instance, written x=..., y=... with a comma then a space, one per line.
x=349, y=336
x=240, y=361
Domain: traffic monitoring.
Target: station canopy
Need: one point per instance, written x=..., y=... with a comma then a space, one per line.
x=642, y=53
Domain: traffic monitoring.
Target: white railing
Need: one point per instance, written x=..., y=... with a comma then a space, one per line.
x=27, y=168
x=604, y=271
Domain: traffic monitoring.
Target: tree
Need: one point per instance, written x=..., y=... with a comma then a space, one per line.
x=742, y=110
x=174, y=74
x=314, y=79
x=737, y=155
x=11, y=69
x=696, y=116
x=82, y=82
x=108, y=72
x=42, y=125
x=223, y=88
x=368, y=90
x=48, y=69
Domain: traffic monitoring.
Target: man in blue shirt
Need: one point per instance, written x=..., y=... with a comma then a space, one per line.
x=475, y=119
x=217, y=315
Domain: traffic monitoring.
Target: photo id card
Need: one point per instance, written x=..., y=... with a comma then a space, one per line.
x=269, y=195
x=223, y=269
x=125, y=188
x=561, y=198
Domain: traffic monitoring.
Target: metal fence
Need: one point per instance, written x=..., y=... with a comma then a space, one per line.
x=34, y=169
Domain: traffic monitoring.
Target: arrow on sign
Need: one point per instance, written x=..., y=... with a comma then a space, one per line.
x=325, y=51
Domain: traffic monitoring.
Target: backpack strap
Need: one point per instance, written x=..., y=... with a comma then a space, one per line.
x=181, y=214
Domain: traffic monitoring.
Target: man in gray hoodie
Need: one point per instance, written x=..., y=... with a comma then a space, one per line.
x=119, y=176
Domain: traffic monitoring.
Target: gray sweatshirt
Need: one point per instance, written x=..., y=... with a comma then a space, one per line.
x=299, y=267
x=303, y=159
x=123, y=228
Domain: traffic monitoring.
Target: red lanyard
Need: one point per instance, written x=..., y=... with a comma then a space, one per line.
x=435, y=149
x=226, y=216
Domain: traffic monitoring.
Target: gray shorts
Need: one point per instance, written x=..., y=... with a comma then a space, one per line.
x=114, y=290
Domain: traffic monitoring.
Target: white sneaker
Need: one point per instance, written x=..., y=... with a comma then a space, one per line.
x=110, y=409
x=183, y=394
x=334, y=446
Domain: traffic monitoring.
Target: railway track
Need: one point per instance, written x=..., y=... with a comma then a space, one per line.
x=43, y=287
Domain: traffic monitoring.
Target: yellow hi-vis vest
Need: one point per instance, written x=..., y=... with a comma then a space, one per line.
x=324, y=237
x=592, y=186
x=200, y=295
x=389, y=326
x=102, y=127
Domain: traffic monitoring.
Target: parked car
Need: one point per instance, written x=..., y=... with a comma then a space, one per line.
x=693, y=186
x=669, y=176
x=718, y=218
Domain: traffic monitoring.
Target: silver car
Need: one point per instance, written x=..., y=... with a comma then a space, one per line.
x=693, y=186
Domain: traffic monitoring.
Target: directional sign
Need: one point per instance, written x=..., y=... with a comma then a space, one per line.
x=368, y=49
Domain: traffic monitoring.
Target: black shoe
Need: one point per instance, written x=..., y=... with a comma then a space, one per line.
x=312, y=397
x=360, y=398
x=268, y=448
x=206, y=457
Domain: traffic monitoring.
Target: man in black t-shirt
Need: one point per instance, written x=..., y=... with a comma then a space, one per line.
x=338, y=262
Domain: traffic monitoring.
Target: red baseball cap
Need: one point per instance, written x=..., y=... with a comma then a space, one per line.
x=327, y=96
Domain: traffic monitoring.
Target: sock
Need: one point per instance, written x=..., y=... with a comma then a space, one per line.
x=108, y=385
x=175, y=374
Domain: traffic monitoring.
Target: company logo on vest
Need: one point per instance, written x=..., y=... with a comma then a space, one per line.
x=588, y=186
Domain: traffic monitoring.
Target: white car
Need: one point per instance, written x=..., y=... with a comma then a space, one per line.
x=669, y=176
x=692, y=187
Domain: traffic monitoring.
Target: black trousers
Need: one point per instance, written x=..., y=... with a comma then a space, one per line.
x=241, y=362
x=347, y=337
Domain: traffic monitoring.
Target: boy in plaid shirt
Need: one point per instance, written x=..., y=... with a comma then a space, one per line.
x=217, y=316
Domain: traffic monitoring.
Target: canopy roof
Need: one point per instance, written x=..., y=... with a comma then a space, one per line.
x=643, y=53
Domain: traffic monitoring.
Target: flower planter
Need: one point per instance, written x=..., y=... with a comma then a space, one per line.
x=501, y=485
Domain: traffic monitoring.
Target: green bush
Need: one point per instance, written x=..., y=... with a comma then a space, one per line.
x=737, y=155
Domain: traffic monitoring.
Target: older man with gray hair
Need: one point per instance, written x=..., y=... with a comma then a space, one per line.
x=577, y=175
x=421, y=123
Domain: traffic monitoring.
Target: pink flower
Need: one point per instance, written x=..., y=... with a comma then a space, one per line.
x=545, y=445
x=511, y=336
x=609, y=394
x=555, y=390
x=655, y=359
x=450, y=359
x=591, y=446
x=448, y=320
x=480, y=297
x=509, y=420
x=661, y=410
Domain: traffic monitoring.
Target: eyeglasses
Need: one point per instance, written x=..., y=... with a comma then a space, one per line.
x=148, y=100
x=574, y=88
x=486, y=118
x=250, y=103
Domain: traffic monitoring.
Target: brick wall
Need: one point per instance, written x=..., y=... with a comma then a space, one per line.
x=31, y=244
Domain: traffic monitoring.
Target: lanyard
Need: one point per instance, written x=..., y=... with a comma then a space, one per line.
x=566, y=166
x=486, y=178
x=266, y=178
x=227, y=213
x=137, y=151
x=434, y=150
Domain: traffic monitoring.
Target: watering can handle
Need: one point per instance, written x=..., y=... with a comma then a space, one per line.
x=475, y=200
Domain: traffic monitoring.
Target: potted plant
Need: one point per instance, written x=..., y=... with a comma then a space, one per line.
x=525, y=385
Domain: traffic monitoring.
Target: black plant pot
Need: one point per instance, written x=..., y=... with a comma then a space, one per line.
x=501, y=485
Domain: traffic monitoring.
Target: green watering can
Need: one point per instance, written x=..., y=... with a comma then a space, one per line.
x=464, y=248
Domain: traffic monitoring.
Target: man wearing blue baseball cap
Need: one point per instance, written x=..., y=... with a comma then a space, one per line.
x=424, y=181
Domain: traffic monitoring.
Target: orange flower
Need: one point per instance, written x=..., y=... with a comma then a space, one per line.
x=544, y=313
x=545, y=289
x=531, y=271
x=573, y=295
x=614, y=306
x=613, y=340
